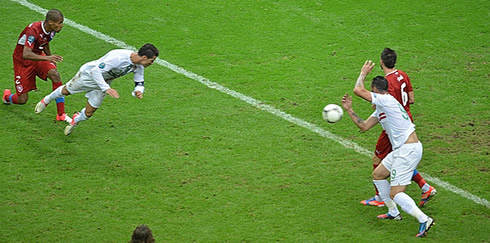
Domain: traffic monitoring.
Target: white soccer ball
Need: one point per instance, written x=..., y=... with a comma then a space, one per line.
x=332, y=113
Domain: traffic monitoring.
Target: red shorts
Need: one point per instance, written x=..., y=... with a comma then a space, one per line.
x=383, y=146
x=25, y=74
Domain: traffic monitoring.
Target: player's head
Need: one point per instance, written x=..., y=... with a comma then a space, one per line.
x=54, y=20
x=150, y=52
x=388, y=58
x=379, y=84
x=142, y=234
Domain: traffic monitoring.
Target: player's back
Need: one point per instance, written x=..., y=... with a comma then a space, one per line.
x=398, y=86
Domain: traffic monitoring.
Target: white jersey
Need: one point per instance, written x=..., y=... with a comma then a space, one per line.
x=393, y=118
x=114, y=64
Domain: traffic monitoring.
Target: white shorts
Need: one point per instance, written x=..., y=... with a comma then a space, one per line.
x=402, y=162
x=83, y=82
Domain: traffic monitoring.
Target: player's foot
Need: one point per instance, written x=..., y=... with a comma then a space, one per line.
x=388, y=216
x=41, y=106
x=71, y=125
x=373, y=202
x=63, y=117
x=6, y=94
x=425, y=227
x=426, y=196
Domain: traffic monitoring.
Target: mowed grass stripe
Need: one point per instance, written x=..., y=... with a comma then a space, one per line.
x=256, y=103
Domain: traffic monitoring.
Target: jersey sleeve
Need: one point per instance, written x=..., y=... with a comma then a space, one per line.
x=104, y=65
x=29, y=38
x=409, y=84
x=98, y=78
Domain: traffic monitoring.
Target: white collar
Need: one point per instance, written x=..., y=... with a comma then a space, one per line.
x=42, y=26
x=394, y=71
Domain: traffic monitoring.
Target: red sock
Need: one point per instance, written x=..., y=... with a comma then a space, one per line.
x=60, y=106
x=419, y=180
x=376, y=189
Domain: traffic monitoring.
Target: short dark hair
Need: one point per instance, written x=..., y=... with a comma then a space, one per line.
x=142, y=234
x=54, y=15
x=388, y=56
x=380, y=83
x=148, y=50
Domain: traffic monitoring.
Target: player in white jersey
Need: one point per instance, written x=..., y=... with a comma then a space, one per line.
x=95, y=78
x=407, y=149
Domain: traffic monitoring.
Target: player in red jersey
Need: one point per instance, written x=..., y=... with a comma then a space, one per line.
x=32, y=57
x=399, y=86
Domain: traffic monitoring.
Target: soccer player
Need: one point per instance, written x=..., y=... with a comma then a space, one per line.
x=95, y=78
x=32, y=57
x=400, y=163
x=399, y=86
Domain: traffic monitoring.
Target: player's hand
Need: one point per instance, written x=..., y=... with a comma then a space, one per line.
x=367, y=67
x=138, y=94
x=113, y=93
x=55, y=58
x=347, y=102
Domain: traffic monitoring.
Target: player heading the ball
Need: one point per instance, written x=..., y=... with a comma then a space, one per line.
x=95, y=77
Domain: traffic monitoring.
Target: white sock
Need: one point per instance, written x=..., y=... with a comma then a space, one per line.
x=378, y=198
x=408, y=205
x=425, y=187
x=81, y=117
x=54, y=95
x=384, y=192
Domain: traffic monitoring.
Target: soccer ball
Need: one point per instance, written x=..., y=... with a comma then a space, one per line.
x=332, y=113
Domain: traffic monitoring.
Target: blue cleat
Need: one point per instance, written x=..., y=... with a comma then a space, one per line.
x=425, y=227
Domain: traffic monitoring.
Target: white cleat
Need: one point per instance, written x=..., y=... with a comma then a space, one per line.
x=71, y=125
x=40, y=106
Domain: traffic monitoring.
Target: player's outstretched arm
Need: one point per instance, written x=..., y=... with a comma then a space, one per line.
x=359, y=88
x=364, y=125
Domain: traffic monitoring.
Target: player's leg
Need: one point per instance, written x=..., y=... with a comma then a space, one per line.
x=24, y=81
x=383, y=148
x=428, y=191
x=47, y=70
x=380, y=175
x=408, y=157
x=58, y=93
x=95, y=98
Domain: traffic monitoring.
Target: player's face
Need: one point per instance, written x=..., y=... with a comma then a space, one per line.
x=56, y=25
x=148, y=61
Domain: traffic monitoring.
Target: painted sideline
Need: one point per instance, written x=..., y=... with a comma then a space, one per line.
x=257, y=103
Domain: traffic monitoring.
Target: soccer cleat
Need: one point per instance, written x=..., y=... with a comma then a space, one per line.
x=373, y=202
x=41, y=106
x=425, y=227
x=388, y=216
x=6, y=94
x=63, y=117
x=71, y=125
x=426, y=196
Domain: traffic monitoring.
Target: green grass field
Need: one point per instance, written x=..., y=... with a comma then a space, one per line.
x=196, y=164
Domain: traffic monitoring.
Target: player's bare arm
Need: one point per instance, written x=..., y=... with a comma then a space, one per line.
x=411, y=97
x=364, y=125
x=359, y=88
x=28, y=54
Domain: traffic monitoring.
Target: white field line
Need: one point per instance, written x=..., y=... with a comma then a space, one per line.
x=257, y=103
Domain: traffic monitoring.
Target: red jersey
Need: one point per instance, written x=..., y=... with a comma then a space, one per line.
x=35, y=37
x=398, y=86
